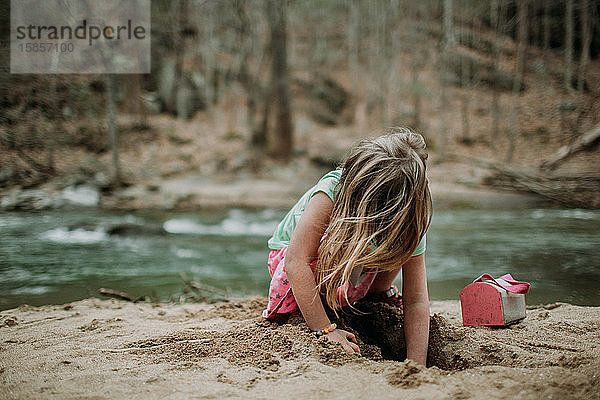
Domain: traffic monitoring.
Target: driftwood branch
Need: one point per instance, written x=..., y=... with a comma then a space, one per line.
x=117, y=295
x=204, y=292
x=583, y=142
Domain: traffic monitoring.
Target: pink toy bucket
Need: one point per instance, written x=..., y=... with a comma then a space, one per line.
x=492, y=301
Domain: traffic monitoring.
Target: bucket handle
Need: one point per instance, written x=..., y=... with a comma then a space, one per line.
x=513, y=285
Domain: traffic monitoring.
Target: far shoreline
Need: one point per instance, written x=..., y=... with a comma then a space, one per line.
x=195, y=193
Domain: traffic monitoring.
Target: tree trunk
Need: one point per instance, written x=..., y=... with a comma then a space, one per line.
x=467, y=82
x=178, y=21
x=251, y=85
x=443, y=133
x=259, y=138
x=449, y=42
x=416, y=91
x=495, y=23
x=390, y=78
x=522, y=15
x=586, y=40
x=464, y=100
x=281, y=146
x=546, y=27
x=132, y=103
x=568, y=44
x=111, y=99
x=466, y=126
x=58, y=125
x=354, y=44
x=449, y=38
x=354, y=59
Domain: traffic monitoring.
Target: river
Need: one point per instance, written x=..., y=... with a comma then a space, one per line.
x=63, y=256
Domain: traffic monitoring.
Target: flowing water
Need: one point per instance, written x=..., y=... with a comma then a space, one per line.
x=60, y=257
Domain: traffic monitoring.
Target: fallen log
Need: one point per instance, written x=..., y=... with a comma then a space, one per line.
x=583, y=142
x=569, y=191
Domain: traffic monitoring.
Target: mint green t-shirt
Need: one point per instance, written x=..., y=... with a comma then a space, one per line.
x=328, y=185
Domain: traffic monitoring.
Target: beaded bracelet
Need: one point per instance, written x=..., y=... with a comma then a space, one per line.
x=325, y=331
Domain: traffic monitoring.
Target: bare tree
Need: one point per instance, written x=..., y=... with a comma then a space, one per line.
x=449, y=41
x=132, y=102
x=353, y=43
x=495, y=8
x=522, y=37
x=255, y=93
x=448, y=16
x=568, y=44
x=282, y=138
x=417, y=88
x=388, y=60
x=177, y=19
x=467, y=77
x=546, y=29
x=111, y=99
x=586, y=40
x=419, y=55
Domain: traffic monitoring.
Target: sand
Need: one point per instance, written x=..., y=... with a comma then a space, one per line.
x=110, y=349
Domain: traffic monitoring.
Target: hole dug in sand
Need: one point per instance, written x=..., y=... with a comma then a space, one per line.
x=382, y=325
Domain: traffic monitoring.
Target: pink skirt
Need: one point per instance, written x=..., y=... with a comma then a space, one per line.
x=281, y=298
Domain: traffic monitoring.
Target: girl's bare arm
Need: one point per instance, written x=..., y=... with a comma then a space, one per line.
x=303, y=248
x=416, y=308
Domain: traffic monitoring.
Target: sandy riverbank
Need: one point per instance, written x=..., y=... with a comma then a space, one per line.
x=107, y=349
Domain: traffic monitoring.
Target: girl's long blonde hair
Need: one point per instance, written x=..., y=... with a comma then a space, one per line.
x=381, y=212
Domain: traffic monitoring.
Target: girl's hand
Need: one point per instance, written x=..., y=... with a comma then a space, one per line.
x=346, y=339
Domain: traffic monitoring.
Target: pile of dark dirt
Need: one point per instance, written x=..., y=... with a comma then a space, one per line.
x=382, y=325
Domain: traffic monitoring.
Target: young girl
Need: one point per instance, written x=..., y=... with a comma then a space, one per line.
x=350, y=235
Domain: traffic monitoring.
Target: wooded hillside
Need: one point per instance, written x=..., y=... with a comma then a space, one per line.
x=507, y=82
